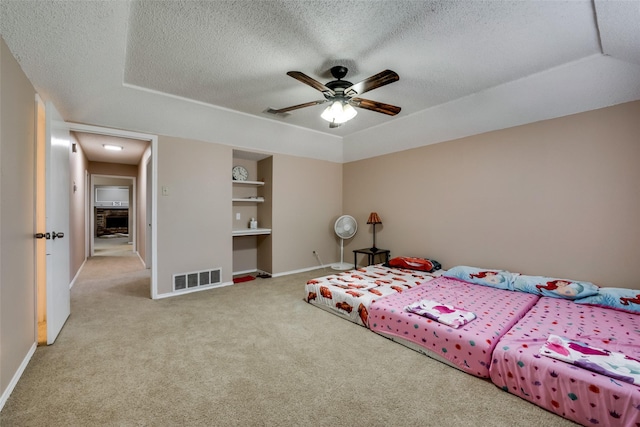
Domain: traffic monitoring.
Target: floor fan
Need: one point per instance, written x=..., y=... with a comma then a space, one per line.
x=345, y=227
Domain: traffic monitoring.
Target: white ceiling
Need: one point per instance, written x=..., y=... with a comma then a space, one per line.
x=209, y=69
x=93, y=146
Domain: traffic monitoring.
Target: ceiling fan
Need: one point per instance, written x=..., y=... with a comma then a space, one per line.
x=342, y=95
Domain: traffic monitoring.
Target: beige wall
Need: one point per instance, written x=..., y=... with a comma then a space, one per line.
x=306, y=202
x=265, y=215
x=194, y=220
x=558, y=198
x=116, y=169
x=78, y=164
x=17, y=260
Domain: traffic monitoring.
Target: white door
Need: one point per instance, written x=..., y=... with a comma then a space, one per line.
x=148, y=204
x=57, y=191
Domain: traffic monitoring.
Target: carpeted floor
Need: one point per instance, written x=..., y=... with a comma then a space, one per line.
x=251, y=354
x=111, y=245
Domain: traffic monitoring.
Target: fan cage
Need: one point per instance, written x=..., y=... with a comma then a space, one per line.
x=344, y=225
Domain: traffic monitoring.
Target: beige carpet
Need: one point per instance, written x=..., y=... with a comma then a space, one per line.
x=252, y=354
x=111, y=245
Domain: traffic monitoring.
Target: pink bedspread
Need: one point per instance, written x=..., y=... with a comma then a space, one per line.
x=469, y=347
x=575, y=393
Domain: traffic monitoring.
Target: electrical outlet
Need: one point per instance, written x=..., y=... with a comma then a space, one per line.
x=238, y=216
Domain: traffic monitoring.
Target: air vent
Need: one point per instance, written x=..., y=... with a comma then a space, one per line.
x=196, y=279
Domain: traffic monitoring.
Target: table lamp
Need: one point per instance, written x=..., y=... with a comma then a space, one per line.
x=374, y=219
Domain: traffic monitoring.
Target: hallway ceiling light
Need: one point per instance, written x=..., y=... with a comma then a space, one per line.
x=112, y=147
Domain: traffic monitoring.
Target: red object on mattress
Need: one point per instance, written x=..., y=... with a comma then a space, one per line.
x=419, y=264
x=467, y=348
x=572, y=392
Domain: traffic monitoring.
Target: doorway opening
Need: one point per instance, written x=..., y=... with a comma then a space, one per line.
x=113, y=215
x=127, y=225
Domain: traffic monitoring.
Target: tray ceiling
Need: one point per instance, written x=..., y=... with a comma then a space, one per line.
x=126, y=64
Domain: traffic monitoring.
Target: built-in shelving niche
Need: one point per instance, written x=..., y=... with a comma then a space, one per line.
x=252, y=198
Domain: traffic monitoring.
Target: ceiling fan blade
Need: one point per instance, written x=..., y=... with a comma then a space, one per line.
x=382, y=78
x=376, y=106
x=295, y=107
x=301, y=77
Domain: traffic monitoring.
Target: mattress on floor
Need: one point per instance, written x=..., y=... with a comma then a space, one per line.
x=581, y=395
x=467, y=348
x=349, y=294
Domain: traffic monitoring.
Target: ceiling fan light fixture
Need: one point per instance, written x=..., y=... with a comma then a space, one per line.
x=339, y=112
x=340, y=94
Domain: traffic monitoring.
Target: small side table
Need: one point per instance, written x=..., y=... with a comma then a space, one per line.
x=370, y=255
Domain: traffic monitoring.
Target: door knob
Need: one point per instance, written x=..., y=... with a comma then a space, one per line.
x=43, y=236
x=58, y=234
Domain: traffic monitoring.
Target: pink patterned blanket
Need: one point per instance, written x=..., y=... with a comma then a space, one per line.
x=443, y=313
x=605, y=362
x=469, y=347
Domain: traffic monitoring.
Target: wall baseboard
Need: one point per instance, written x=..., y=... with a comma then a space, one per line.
x=191, y=290
x=302, y=270
x=16, y=377
x=235, y=273
x=326, y=267
x=73, y=282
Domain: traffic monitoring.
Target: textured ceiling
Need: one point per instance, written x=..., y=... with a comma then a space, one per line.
x=236, y=54
x=210, y=69
x=93, y=146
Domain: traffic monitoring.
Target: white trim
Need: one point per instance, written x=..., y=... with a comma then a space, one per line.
x=154, y=217
x=302, y=270
x=79, y=127
x=16, y=377
x=73, y=282
x=88, y=214
x=188, y=291
x=36, y=272
x=148, y=209
x=133, y=207
x=192, y=290
x=235, y=273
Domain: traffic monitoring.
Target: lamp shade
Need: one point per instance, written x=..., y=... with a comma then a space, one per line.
x=374, y=218
x=339, y=112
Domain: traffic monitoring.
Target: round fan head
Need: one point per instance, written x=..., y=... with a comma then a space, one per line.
x=346, y=227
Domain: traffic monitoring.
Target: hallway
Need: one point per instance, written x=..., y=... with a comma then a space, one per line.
x=112, y=245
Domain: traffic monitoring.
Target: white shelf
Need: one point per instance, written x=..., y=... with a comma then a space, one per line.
x=251, y=231
x=249, y=199
x=248, y=182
